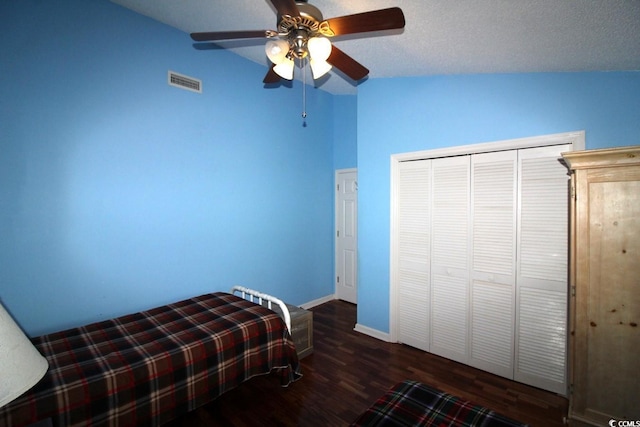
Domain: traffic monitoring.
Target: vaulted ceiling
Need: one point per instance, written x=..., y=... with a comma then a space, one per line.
x=441, y=36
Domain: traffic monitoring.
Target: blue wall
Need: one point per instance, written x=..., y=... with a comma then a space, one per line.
x=119, y=192
x=410, y=114
x=345, y=132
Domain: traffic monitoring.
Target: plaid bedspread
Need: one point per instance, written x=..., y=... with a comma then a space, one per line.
x=147, y=368
x=411, y=403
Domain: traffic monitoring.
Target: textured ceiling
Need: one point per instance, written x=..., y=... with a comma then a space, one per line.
x=441, y=36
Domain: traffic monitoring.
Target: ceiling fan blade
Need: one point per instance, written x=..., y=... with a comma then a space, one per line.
x=347, y=64
x=230, y=35
x=286, y=7
x=271, y=77
x=376, y=20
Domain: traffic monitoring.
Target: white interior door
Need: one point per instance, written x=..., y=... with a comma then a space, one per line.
x=347, y=235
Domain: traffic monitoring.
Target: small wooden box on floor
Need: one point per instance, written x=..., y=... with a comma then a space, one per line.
x=301, y=329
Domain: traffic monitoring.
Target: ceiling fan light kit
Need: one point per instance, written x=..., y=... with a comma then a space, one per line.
x=302, y=34
x=282, y=52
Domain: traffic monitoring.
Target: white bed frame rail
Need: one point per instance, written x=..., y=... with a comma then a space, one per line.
x=251, y=295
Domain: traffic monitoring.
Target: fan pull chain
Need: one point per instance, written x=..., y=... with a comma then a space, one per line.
x=304, y=89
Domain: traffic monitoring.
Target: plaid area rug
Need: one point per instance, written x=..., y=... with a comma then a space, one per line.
x=411, y=403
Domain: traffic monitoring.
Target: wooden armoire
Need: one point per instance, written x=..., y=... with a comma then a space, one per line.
x=604, y=364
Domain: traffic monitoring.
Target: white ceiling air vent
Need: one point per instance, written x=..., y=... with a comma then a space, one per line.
x=185, y=82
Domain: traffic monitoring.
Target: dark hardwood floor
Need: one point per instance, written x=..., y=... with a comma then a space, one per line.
x=348, y=371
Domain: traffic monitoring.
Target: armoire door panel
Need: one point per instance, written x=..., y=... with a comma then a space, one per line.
x=613, y=297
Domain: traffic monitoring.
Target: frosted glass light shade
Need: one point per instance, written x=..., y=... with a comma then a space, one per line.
x=276, y=50
x=285, y=69
x=319, y=68
x=319, y=48
x=21, y=365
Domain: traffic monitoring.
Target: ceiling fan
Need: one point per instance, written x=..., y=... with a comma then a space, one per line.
x=302, y=33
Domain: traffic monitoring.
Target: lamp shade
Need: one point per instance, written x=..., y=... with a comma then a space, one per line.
x=319, y=68
x=276, y=50
x=319, y=48
x=21, y=365
x=285, y=69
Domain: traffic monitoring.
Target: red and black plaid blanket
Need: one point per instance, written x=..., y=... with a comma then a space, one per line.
x=411, y=403
x=148, y=368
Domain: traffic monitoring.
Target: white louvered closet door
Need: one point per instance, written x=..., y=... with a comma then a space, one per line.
x=493, y=261
x=450, y=258
x=482, y=261
x=414, y=243
x=542, y=290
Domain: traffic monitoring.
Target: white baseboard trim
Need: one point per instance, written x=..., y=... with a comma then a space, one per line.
x=315, y=302
x=382, y=336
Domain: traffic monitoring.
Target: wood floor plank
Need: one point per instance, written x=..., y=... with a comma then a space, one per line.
x=348, y=371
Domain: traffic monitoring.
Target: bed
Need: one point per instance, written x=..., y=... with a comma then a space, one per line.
x=150, y=367
x=411, y=403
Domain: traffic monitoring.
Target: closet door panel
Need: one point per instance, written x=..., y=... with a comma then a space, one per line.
x=449, y=317
x=541, y=350
x=493, y=261
x=542, y=289
x=414, y=246
x=492, y=328
x=544, y=215
x=450, y=258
